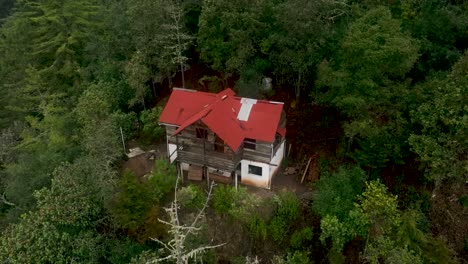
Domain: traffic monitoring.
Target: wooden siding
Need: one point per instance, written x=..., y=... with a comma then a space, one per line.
x=219, y=178
x=262, y=152
x=195, y=173
x=210, y=152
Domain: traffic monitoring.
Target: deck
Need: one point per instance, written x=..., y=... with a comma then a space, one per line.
x=203, y=157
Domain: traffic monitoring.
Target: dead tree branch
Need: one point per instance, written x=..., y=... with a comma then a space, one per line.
x=176, y=247
x=5, y=201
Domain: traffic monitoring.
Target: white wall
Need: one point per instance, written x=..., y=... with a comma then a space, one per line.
x=268, y=171
x=253, y=179
x=171, y=148
x=276, y=160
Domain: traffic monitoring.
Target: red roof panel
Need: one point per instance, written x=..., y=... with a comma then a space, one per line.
x=219, y=112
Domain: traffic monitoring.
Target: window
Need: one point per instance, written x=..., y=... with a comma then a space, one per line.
x=202, y=133
x=249, y=143
x=255, y=170
x=218, y=144
x=278, y=138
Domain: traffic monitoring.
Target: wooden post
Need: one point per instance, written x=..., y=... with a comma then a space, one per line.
x=307, y=166
x=235, y=179
x=167, y=145
x=204, y=150
x=181, y=172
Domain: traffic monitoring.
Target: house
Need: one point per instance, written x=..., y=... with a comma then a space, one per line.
x=223, y=137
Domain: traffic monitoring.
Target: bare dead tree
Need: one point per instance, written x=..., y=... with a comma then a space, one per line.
x=178, y=40
x=176, y=247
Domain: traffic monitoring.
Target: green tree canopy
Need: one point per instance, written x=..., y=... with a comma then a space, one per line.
x=367, y=81
x=335, y=193
x=63, y=228
x=442, y=143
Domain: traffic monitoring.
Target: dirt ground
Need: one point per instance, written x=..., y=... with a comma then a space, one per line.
x=449, y=218
x=143, y=164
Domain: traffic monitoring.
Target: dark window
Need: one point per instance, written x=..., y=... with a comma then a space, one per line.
x=255, y=170
x=202, y=133
x=249, y=143
x=277, y=140
x=218, y=144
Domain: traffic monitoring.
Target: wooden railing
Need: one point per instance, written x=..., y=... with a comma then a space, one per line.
x=199, y=155
x=217, y=155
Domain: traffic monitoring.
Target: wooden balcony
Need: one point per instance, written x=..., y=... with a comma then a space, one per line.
x=201, y=156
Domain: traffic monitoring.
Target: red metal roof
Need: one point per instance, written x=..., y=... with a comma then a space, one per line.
x=219, y=112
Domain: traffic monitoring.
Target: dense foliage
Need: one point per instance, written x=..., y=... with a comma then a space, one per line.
x=79, y=78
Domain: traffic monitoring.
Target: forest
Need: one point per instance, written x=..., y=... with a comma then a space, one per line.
x=378, y=89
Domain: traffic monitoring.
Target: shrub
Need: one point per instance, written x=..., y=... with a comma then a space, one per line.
x=162, y=179
x=287, y=211
x=127, y=121
x=278, y=229
x=258, y=227
x=335, y=193
x=238, y=204
x=151, y=131
x=298, y=257
x=300, y=239
x=121, y=250
x=225, y=197
x=132, y=203
x=288, y=206
x=335, y=257
x=191, y=197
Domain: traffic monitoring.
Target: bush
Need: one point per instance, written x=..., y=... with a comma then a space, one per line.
x=258, y=227
x=162, y=179
x=132, y=203
x=335, y=193
x=279, y=229
x=191, y=197
x=288, y=206
x=300, y=239
x=128, y=123
x=335, y=257
x=225, y=197
x=287, y=212
x=151, y=131
x=121, y=250
x=298, y=257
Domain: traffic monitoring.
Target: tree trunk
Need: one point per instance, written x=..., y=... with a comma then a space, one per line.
x=298, y=87
x=183, y=77
x=154, y=89
x=143, y=102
